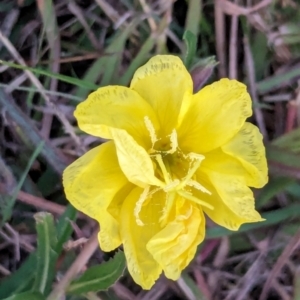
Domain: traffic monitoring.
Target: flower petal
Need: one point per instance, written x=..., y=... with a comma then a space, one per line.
x=184, y=259
x=162, y=82
x=141, y=264
x=232, y=200
x=247, y=147
x=134, y=161
x=92, y=184
x=216, y=113
x=173, y=247
x=116, y=107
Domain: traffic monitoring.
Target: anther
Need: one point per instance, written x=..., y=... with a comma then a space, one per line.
x=151, y=130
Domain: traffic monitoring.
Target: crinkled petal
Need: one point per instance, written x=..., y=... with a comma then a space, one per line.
x=215, y=115
x=173, y=247
x=247, y=147
x=232, y=200
x=243, y=156
x=116, y=107
x=91, y=184
x=134, y=160
x=185, y=258
x=141, y=264
x=162, y=82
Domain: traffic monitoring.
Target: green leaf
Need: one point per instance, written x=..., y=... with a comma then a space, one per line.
x=272, y=218
x=290, y=141
x=297, y=284
x=19, y=280
x=64, y=78
x=191, y=44
x=112, y=63
x=189, y=287
x=106, y=66
x=6, y=211
x=283, y=162
x=100, y=277
x=64, y=228
x=277, y=81
x=139, y=59
x=27, y=296
x=46, y=254
x=275, y=186
x=193, y=17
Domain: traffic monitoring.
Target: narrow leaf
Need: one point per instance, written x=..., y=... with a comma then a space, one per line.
x=272, y=218
x=139, y=59
x=6, y=211
x=100, y=277
x=193, y=17
x=275, y=186
x=64, y=228
x=17, y=281
x=189, y=287
x=64, y=78
x=278, y=81
x=46, y=255
x=27, y=296
x=191, y=43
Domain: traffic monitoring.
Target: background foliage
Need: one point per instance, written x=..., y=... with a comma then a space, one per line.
x=53, y=54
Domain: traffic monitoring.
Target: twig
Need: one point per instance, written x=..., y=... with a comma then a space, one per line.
x=81, y=260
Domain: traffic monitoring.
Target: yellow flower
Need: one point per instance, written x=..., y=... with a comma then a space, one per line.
x=172, y=155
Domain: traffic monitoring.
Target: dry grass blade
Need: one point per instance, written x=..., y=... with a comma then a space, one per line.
x=68, y=128
x=52, y=156
x=47, y=11
x=220, y=37
x=40, y=203
x=147, y=11
x=72, y=47
x=235, y=10
x=288, y=251
x=76, y=10
x=109, y=10
x=233, y=57
x=252, y=85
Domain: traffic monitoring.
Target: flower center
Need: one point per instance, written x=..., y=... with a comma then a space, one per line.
x=174, y=168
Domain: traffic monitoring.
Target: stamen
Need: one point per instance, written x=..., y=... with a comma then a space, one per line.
x=174, y=142
x=189, y=196
x=196, y=156
x=139, y=204
x=151, y=130
x=171, y=186
x=167, y=209
x=166, y=175
x=196, y=159
x=198, y=186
